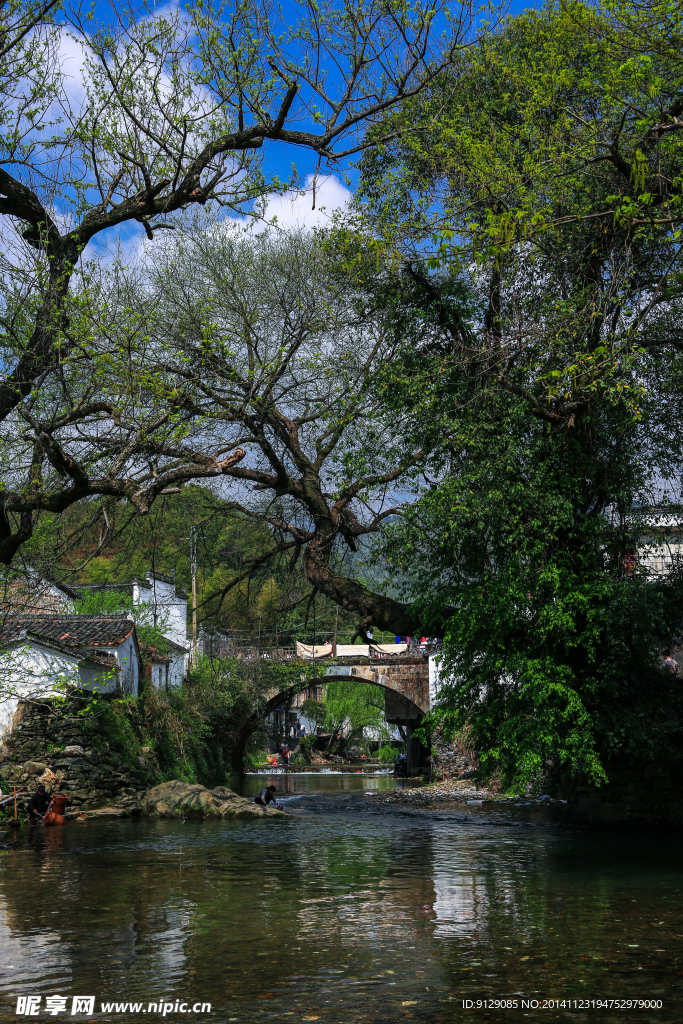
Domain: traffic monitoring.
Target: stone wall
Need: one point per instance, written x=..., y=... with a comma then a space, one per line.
x=452, y=759
x=648, y=794
x=69, y=754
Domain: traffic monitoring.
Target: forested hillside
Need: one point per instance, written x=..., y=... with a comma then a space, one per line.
x=108, y=542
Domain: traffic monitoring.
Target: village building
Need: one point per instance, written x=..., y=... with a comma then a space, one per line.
x=164, y=669
x=166, y=606
x=43, y=641
x=42, y=656
x=28, y=593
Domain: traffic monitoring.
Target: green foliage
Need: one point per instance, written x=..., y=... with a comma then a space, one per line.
x=314, y=710
x=361, y=703
x=269, y=609
x=204, y=730
x=543, y=170
x=550, y=640
x=387, y=754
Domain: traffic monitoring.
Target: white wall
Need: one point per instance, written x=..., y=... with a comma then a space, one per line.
x=127, y=659
x=168, y=610
x=176, y=670
x=167, y=677
x=30, y=670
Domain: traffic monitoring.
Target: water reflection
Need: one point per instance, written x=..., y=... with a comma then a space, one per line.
x=349, y=911
x=324, y=780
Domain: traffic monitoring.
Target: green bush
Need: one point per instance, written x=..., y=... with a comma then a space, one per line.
x=387, y=754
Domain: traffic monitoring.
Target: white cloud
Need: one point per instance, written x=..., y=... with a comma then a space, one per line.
x=295, y=208
x=71, y=59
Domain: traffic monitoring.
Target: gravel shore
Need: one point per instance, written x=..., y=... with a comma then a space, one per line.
x=464, y=791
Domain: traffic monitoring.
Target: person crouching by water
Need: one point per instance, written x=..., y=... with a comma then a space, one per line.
x=38, y=804
x=266, y=796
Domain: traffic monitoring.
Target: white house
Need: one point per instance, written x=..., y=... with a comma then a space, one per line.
x=164, y=669
x=85, y=635
x=157, y=602
x=24, y=591
x=33, y=665
x=168, y=604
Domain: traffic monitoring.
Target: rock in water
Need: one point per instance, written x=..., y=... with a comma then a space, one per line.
x=182, y=800
x=223, y=793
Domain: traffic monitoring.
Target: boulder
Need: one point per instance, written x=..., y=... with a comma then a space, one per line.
x=223, y=793
x=35, y=767
x=183, y=800
x=73, y=751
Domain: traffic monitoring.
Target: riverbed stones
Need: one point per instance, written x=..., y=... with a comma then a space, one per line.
x=183, y=800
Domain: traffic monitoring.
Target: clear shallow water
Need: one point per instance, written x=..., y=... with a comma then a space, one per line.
x=348, y=911
x=323, y=780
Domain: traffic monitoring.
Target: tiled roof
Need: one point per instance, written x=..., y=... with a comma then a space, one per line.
x=173, y=648
x=80, y=654
x=70, y=630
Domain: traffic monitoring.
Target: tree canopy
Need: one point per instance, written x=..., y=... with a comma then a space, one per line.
x=544, y=171
x=125, y=116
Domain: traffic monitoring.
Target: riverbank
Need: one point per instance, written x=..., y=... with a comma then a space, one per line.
x=466, y=790
x=109, y=751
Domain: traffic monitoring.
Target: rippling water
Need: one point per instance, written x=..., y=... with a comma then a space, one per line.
x=350, y=910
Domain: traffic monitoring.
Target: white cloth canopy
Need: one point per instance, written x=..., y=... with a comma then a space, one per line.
x=363, y=650
x=309, y=651
x=347, y=650
x=390, y=648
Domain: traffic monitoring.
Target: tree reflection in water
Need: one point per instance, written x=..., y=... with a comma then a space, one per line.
x=350, y=911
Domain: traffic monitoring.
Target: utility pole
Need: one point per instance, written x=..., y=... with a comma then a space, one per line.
x=193, y=562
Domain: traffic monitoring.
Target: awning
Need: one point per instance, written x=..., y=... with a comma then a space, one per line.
x=308, y=651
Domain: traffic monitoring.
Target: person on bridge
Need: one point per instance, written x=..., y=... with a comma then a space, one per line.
x=266, y=796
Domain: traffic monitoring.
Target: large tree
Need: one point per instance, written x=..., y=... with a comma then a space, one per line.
x=280, y=345
x=550, y=179
x=117, y=122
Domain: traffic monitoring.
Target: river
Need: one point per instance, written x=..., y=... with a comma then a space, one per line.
x=350, y=910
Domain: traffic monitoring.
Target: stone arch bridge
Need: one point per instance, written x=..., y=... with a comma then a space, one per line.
x=407, y=682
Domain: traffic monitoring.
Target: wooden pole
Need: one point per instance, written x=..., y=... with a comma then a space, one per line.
x=336, y=623
x=193, y=558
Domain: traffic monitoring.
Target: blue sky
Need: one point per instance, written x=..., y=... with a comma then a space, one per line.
x=278, y=159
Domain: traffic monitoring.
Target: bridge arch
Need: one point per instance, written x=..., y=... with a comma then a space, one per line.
x=406, y=693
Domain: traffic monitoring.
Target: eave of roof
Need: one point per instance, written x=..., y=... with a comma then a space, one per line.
x=72, y=630
x=80, y=657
